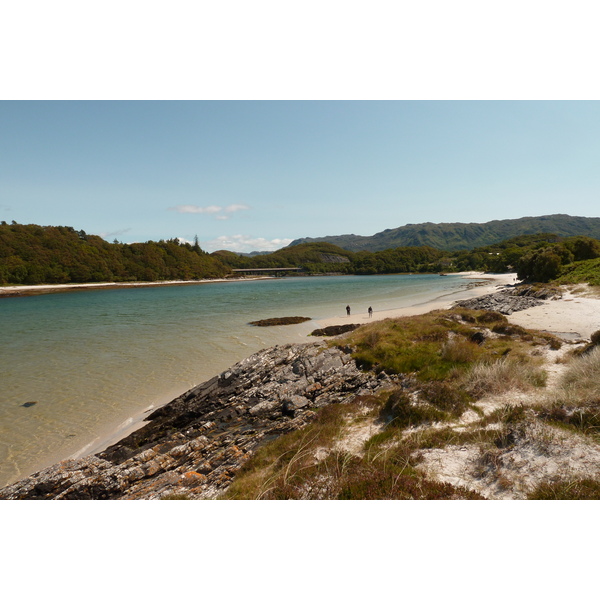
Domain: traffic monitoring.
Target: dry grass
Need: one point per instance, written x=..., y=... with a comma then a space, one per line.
x=503, y=376
x=580, y=384
x=503, y=447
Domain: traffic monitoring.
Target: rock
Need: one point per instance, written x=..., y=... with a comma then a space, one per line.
x=291, y=405
x=195, y=444
x=478, y=337
x=279, y=321
x=511, y=300
x=262, y=408
x=335, y=330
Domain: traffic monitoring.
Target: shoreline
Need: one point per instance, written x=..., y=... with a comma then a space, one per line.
x=136, y=421
x=496, y=281
x=11, y=291
x=573, y=313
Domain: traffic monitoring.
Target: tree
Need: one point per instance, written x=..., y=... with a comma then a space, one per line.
x=583, y=248
x=541, y=265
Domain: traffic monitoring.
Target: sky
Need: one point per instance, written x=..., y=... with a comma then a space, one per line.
x=254, y=175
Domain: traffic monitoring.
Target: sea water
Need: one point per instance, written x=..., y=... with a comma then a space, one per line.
x=76, y=366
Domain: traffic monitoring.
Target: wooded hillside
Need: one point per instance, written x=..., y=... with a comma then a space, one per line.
x=31, y=254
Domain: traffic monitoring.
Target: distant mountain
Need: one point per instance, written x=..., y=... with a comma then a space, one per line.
x=463, y=236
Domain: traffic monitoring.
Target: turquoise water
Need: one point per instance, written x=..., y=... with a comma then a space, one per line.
x=92, y=359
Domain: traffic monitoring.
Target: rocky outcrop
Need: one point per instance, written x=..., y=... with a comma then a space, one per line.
x=194, y=445
x=334, y=330
x=512, y=299
x=279, y=321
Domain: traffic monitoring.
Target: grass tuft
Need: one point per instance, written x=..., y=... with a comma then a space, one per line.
x=502, y=376
x=578, y=489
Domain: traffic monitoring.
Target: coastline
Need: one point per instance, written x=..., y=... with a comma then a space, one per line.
x=192, y=446
x=553, y=316
x=56, y=288
x=495, y=281
x=575, y=315
x=10, y=291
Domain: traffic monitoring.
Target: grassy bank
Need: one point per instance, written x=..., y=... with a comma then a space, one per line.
x=473, y=398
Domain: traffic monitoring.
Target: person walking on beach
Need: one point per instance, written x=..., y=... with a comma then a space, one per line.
x=370, y=312
x=348, y=310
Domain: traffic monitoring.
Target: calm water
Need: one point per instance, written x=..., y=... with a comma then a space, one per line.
x=92, y=359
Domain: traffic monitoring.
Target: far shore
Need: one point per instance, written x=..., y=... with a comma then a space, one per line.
x=53, y=288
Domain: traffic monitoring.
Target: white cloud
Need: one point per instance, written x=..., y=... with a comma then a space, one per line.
x=193, y=209
x=221, y=217
x=236, y=207
x=209, y=210
x=244, y=243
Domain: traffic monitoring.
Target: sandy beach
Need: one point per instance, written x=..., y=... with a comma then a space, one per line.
x=359, y=315
x=53, y=288
x=573, y=314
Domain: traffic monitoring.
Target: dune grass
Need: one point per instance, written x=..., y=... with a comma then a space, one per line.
x=306, y=464
x=438, y=345
x=506, y=374
x=445, y=362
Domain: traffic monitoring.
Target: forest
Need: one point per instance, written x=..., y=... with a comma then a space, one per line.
x=34, y=254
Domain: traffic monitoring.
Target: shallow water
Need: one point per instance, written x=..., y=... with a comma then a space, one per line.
x=75, y=366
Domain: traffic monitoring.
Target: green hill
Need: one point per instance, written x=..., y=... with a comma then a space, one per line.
x=31, y=254
x=463, y=236
x=320, y=257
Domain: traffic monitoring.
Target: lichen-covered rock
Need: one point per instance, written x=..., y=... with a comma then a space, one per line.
x=194, y=445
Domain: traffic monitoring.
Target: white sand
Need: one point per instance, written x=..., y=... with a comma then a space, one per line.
x=65, y=287
x=496, y=283
x=575, y=315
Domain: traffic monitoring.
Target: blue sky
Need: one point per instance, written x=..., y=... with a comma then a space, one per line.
x=253, y=175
